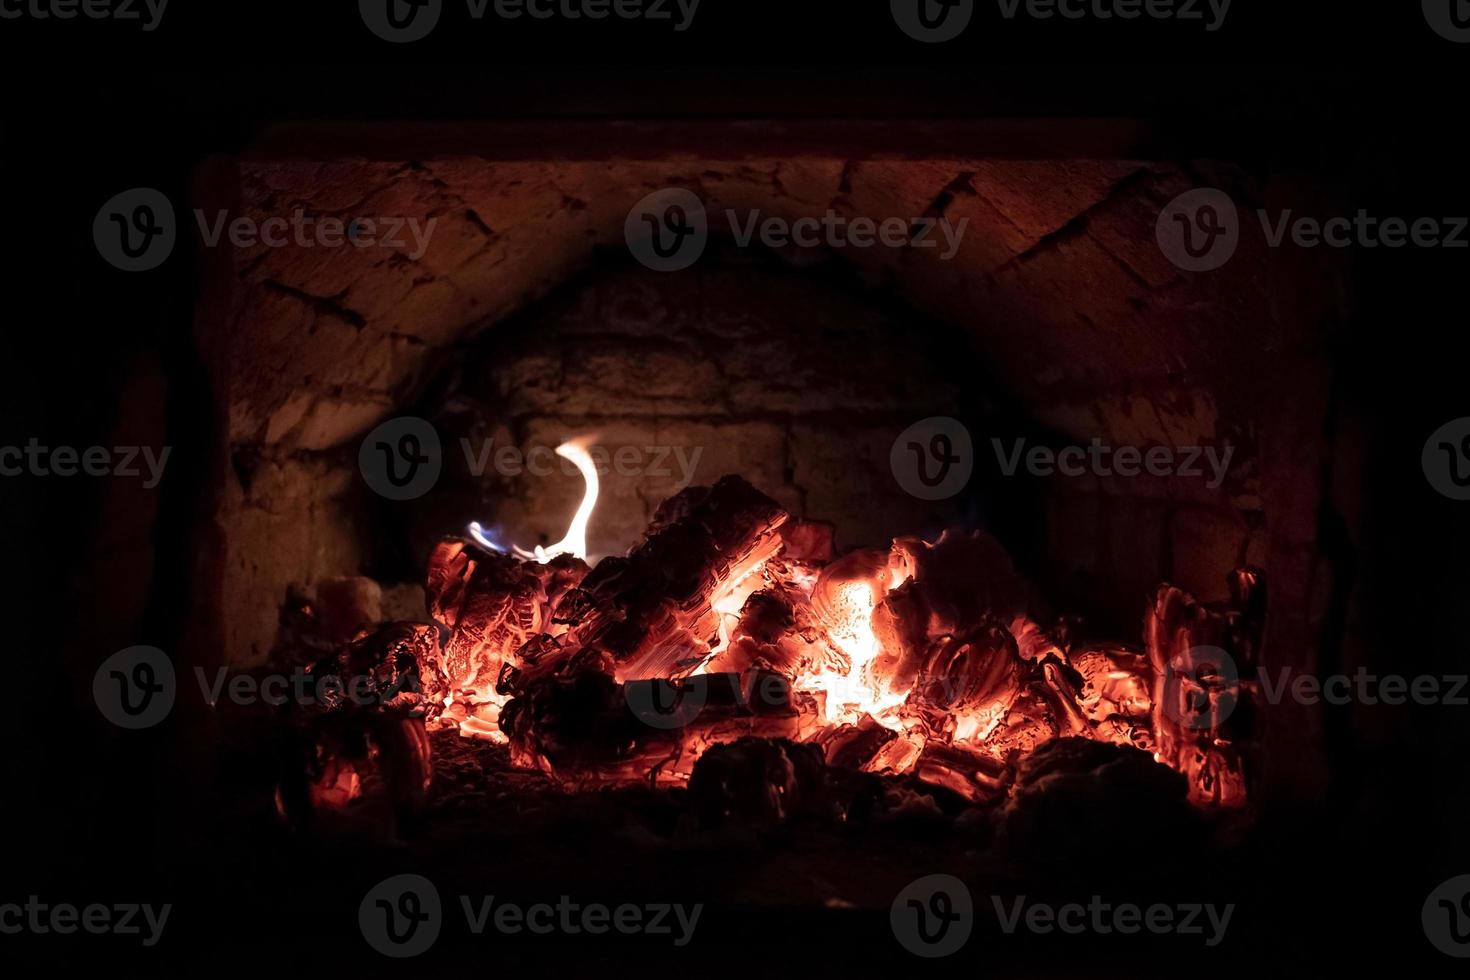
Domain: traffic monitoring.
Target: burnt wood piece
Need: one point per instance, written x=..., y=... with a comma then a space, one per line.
x=359, y=761
x=577, y=723
x=977, y=776
x=1077, y=803
x=978, y=673
x=759, y=782
x=855, y=746
x=949, y=588
x=491, y=604
x=651, y=611
x=1203, y=702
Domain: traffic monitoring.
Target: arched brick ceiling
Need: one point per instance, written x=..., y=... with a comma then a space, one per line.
x=1058, y=276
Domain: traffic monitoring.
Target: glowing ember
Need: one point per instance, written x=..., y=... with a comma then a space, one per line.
x=919, y=658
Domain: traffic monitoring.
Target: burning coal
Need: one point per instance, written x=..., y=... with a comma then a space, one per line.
x=731, y=621
x=734, y=653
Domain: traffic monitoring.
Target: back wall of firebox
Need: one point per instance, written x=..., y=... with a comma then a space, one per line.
x=1064, y=329
x=740, y=365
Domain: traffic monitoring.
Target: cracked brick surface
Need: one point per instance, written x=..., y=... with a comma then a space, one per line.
x=1057, y=273
x=1058, y=285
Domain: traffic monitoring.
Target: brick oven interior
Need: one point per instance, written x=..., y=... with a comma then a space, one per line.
x=525, y=322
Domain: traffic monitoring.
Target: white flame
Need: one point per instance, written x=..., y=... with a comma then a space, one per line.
x=575, y=542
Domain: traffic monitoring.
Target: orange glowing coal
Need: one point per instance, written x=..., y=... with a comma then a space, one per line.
x=919, y=658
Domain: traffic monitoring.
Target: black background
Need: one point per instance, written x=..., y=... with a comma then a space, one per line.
x=1366, y=96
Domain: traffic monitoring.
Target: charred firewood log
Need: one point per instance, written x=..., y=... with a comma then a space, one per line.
x=759, y=782
x=1083, y=806
x=370, y=764
x=1203, y=705
x=577, y=723
x=1116, y=693
x=967, y=683
x=949, y=588
x=653, y=611
x=345, y=735
x=774, y=632
x=855, y=746
x=965, y=579
x=976, y=776
x=491, y=604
